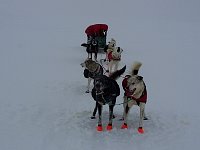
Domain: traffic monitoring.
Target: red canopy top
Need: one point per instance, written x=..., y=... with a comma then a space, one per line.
x=96, y=29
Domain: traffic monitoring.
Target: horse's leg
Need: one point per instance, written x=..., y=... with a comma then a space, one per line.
x=96, y=52
x=94, y=111
x=88, y=86
x=111, y=107
x=91, y=56
x=109, y=126
x=99, y=107
x=125, y=103
x=88, y=56
x=106, y=57
x=142, y=107
x=116, y=65
x=126, y=112
x=95, y=56
x=111, y=116
x=110, y=65
x=125, y=115
x=99, y=126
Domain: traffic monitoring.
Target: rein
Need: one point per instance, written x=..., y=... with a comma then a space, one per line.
x=124, y=102
x=104, y=101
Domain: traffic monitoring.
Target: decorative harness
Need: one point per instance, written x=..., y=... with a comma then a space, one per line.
x=110, y=57
x=142, y=98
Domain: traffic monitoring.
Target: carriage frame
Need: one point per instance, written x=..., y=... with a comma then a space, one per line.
x=97, y=32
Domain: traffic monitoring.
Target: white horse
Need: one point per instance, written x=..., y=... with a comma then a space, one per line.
x=114, y=58
x=135, y=94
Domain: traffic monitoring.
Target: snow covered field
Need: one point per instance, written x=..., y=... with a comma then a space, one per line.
x=43, y=104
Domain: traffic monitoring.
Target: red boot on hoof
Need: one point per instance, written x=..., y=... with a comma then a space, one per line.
x=124, y=126
x=140, y=130
x=99, y=128
x=109, y=127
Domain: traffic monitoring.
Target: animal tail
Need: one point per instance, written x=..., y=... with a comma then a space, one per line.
x=135, y=68
x=84, y=44
x=115, y=75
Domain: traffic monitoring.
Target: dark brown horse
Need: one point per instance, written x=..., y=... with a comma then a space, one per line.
x=92, y=47
x=105, y=91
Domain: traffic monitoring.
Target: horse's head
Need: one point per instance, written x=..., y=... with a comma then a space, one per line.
x=135, y=85
x=90, y=64
x=116, y=53
x=100, y=83
x=94, y=42
x=112, y=44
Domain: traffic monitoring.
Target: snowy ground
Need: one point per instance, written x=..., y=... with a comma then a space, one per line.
x=43, y=104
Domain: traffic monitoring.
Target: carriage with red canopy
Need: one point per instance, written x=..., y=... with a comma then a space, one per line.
x=97, y=32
